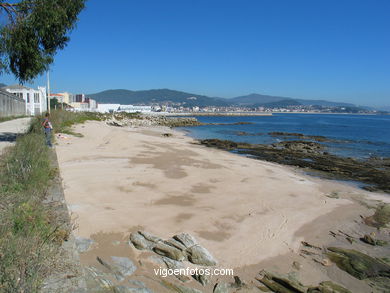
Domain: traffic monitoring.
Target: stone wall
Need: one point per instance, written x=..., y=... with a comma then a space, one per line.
x=10, y=105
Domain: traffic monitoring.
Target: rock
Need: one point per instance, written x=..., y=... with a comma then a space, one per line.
x=175, y=243
x=280, y=284
x=372, y=241
x=123, y=265
x=124, y=289
x=200, y=256
x=311, y=155
x=186, y=239
x=150, y=237
x=358, y=264
x=179, y=288
x=83, y=244
x=169, y=251
x=237, y=282
x=137, y=283
x=328, y=287
x=221, y=288
x=381, y=217
x=120, y=267
x=203, y=279
x=176, y=265
x=143, y=240
x=296, y=265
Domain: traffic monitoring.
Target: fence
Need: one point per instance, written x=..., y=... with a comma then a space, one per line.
x=10, y=105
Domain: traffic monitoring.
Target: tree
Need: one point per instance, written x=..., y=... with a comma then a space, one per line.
x=32, y=31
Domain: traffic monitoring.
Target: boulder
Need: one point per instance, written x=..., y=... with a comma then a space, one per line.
x=358, y=264
x=175, y=243
x=169, y=251
x=186, y=239
x=176, y=265
x=143, y=240
x=200, y=256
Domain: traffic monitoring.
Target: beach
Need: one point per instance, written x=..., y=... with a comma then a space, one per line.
x=249, y=214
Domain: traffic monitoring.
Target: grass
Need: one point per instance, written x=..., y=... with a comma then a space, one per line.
x=30, y=231
x=3, y=119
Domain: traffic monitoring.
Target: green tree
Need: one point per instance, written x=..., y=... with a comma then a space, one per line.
x=32, y=31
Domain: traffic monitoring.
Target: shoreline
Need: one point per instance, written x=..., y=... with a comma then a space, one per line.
x=138, y=178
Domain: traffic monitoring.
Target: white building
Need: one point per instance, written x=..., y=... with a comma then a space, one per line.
x=36, y=100
x=135, y=109
x=107, y=108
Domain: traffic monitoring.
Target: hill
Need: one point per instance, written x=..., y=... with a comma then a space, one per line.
x=178, y=98
x=157, y=96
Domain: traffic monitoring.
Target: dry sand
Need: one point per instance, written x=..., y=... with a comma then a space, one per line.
x=244, y=211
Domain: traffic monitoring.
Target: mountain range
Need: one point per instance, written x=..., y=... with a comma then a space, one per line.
x=172, y=97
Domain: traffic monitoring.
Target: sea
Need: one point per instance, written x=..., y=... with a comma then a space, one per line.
x=357, y=136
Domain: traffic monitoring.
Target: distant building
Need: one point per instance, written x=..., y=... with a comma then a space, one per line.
x=67, y=98
x=107, y=108
x=36, y=100
x=59, y=97
x=135, y=109
x=80, y=98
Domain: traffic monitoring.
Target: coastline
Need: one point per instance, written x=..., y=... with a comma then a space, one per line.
x=245, y=212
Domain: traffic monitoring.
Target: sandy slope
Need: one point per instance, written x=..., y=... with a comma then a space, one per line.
x=242, y=210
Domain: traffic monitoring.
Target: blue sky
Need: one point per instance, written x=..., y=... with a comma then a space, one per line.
x=314, y=49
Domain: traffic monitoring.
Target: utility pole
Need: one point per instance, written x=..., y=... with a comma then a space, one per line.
x=48, y=90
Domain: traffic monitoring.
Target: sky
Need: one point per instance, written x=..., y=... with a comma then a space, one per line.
x=337, y=50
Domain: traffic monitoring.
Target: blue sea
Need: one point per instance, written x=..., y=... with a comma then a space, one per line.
x=358, y=136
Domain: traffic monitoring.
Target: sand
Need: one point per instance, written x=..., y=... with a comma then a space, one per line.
x=247, y=213
x=243, y=210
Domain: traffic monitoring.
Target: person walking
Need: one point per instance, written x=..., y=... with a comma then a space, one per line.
x=47, y=128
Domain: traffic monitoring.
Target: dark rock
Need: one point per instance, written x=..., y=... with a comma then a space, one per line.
x=372, y=241
x=311, y=155
x=358, y=264
x=328, y=287
x=280, y=284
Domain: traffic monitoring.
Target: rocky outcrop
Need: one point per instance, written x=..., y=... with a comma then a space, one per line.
x=381, y=217
x=328, y=287
x=143, y=120
x=179, y=248
x=281, y=284
x=358, y=264
x=313, y=155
